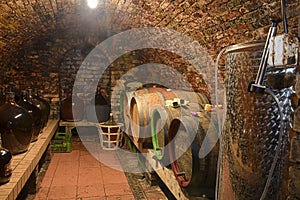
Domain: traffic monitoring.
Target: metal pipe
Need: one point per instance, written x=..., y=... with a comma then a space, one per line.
x=283, y=14
x=257, y=85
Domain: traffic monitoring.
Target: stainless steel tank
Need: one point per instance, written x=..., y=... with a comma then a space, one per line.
x=252, y=126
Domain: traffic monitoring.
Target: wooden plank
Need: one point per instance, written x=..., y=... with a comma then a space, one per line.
x=70, y=125
x=79, y=123
x=164, y=173
x=23, y=164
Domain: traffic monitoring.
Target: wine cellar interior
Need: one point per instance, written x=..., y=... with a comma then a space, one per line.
x=140, y=99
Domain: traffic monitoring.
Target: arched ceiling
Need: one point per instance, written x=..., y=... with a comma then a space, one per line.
x=23, y=22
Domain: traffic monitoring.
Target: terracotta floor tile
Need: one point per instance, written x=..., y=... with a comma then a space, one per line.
x=66, y=174
x=108, y=155
x=69, y=157
x=88, y=176
x=84, y=164
x=93, y=198
x=62, y=192
x=110, y=162
x=91, y=144
x=80, y=176
x=117, y=189
x=42, y=193
x=95, y=190
x=121, y=197
x=76, y=146
x=64, y=181
x=113, y=169
x=83, y=150
x=113, y=176
x=109, y=159
x=88, y=160
x=87, y=154
x=95, y=168
x=46, y=182
x=50, y=170
x=68, y=168
x=55, y=158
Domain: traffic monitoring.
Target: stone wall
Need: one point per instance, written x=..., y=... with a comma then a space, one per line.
x=294, y=169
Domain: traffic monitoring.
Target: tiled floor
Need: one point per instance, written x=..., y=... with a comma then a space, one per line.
x=79, y=175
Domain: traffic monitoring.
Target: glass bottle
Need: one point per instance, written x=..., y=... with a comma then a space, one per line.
x=5, y=167
x=12, y=88
x=15, y=126
x=55, y=113
x=34, y=112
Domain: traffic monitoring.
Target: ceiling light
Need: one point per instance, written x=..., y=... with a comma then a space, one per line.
x=92, y=3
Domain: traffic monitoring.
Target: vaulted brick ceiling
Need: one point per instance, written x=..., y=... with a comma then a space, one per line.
x=25, y=21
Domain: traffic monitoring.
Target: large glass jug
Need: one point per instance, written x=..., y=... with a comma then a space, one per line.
x=5, y=168
x=72, y=109
x=40, y=105
x=34, y=112
x=45, y=102
x=15, y=126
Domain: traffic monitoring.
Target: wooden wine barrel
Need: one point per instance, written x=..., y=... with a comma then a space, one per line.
x=193, y=97
x=141, y=107
x=160, y=123
x=196, y=176
x=125, y=98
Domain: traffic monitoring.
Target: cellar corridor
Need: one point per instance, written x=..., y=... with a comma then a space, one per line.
x=205, y=93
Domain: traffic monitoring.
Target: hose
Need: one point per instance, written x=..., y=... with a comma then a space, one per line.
x=219, y=123
x=268, y=182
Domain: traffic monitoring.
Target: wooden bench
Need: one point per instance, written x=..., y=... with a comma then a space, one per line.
x=70, y=125
x=24, y=164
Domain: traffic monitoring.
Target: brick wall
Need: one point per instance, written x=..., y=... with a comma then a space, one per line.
x=42, y=43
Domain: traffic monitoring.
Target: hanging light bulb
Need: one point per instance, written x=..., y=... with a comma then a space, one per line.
x=92, y=3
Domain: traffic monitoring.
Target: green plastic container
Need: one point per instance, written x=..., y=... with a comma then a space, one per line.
x=61, y=143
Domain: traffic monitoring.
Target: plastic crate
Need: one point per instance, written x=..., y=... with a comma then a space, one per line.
x=63, y=136
x=61, y=143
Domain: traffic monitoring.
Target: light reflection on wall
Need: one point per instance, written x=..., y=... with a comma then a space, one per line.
x=92, y=3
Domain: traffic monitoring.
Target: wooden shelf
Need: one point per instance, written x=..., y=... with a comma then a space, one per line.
x=23, y=164
x=70, y=125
